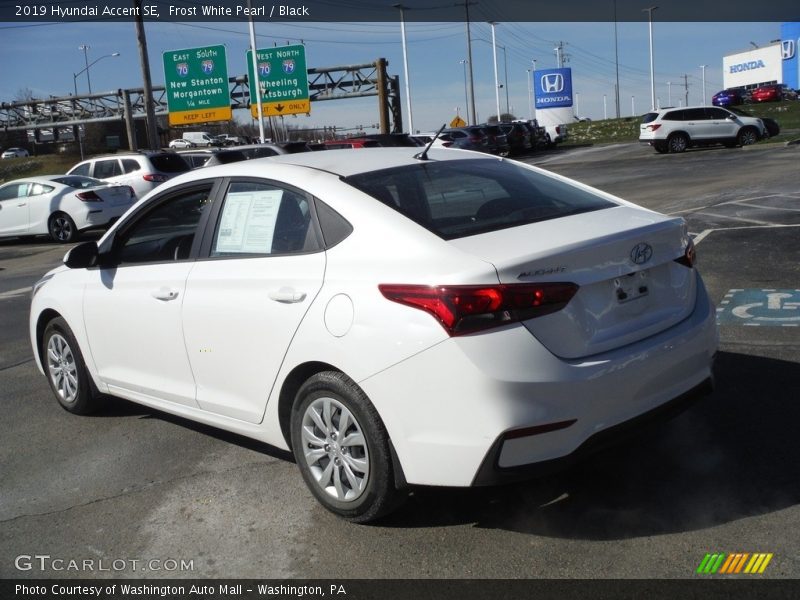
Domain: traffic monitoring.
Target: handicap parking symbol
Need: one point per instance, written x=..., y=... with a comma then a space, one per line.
x=753, y=307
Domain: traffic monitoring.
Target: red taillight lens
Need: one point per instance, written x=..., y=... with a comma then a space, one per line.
x=689, y=256
x=155, y=178
x=469, y=308
x=89, y=196
x=654, y=127
x=447, y=144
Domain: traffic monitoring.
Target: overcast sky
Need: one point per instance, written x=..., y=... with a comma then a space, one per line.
x=44, y=57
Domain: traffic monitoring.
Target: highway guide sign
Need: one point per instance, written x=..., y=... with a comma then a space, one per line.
x=196, y=81
x=283, y=79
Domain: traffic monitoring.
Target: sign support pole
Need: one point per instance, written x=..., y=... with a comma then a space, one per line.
x=256, y=81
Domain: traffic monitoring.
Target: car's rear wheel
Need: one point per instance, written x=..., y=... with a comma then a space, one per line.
x=747, y=136
x=66, y=370
x=342, y=448
x=661, y=148
x=62, y=228
x=678, y=142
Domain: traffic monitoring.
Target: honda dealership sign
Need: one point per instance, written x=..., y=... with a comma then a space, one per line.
x=552, y=88
x=790, y=54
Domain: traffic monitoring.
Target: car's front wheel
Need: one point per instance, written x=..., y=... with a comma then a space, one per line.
x=747, y=136
x=65, y=369
x=342, y=448
x=62, y=228
x=677, y=142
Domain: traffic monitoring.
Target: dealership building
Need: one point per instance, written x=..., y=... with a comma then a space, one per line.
x=776, y=63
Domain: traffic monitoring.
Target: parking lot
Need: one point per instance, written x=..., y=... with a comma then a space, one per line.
x=136, y=485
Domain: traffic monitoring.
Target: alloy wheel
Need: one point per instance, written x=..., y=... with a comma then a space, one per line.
x=62, y=368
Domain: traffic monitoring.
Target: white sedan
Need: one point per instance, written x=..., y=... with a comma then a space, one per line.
x=60, y=206
x=15, y=153
x=181, y=143
x=394, y=317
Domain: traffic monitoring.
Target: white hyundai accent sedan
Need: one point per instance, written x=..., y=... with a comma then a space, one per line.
x=393, y=318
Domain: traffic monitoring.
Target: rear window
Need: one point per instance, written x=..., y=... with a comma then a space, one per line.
x=79, y=182
x=455, y=199
x=169, y=163
x=650, y=117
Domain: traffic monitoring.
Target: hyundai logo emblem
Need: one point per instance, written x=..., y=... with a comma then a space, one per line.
x=641, y=253
x=552, y=83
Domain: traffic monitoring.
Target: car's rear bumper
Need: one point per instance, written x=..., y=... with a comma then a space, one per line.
x=501, y=399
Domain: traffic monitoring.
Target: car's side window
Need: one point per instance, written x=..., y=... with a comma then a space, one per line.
x=717, y=113
x=167, y=232
x=260, y=218
x=104, y=169
x=14, y=191
x=81, y=169
x=37, y=189
x=129, y=165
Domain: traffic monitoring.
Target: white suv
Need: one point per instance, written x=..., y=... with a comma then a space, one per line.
x=676, y=129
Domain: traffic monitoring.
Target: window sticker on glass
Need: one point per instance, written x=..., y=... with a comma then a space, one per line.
x=248, y=220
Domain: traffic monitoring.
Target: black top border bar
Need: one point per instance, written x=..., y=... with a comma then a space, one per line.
x=333, y=11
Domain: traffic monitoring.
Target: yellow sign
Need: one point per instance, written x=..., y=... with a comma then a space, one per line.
x=275, y=109
x=195, y=117
x=458, y=122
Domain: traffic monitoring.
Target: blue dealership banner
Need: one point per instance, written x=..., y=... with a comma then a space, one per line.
x=552, y=88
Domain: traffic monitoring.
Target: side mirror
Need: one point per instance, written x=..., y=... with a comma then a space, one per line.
x=82, y=256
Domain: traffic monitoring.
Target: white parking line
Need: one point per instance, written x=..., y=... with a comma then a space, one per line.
x=707, y=232
x=14, y=293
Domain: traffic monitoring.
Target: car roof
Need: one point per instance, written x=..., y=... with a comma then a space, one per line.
x=343, y=163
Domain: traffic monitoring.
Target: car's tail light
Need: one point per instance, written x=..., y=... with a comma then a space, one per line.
x=89, y=196
x=654, y=127
x=469, y=308
x=689, y=255
x=155, y=177
x=447, y=144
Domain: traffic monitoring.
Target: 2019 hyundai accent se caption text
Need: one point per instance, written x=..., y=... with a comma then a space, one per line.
x=450, y=319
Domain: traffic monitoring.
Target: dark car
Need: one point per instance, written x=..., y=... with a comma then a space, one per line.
x=519, y=137
x=466, y=138
x=729, y=97
x=274, y=148
x=496, y=139
x=393, y=140
x=212, y=156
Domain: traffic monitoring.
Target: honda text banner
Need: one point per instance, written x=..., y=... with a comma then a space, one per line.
x=552, y=88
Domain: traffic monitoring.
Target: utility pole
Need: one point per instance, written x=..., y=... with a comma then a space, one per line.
x=256, y=83
x=616, y=58
x=560, y=55
x=494, y=61
x=704, y=83
x=530, y=101
x=686, y=89
x=649, y=12
x=405, y=67
x=473, y=118
x=147, y=85
x=505, y=78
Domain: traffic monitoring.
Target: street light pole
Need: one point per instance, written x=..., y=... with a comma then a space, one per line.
x=505, y=77
x=494, y=61
x=530, y=101
x=649, y=12
x=669, y=93
x=704, y=83
x=405, y=66
x=633, y=106
x=75, y=87
x=85, y=48
x=605, y=108
x=473, y=117
x=466, y=96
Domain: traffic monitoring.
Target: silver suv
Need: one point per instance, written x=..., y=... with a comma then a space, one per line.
x=143, y=171
x=676, y=129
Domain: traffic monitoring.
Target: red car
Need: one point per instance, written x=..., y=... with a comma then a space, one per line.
x=772, y=93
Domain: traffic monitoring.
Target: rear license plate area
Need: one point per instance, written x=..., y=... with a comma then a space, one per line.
x=632, y=287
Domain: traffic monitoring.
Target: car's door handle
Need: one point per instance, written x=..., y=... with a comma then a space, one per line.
x=23, y=204
x=165, y=294
x=287, y=296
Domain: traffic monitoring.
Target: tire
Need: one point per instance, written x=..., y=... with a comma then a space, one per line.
x=661, y=148
x=62, y=228
x=355, y=480
x=747, y=136
x=66, y=371
x=677, y=142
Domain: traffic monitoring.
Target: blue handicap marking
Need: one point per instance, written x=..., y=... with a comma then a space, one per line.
x=753, y=307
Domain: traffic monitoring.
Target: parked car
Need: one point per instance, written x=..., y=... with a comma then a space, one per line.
x=729, y=97
x=274, y=148
x=466, y=138
x=538, y=135
x=676, y=129
x=773, y=93
x=208, y=157
x=15, y=153
x=519, y=137
x=348, y=143
x=452, y=319
x=200, y=138
x=180, y=143
x=60, y=206
x=143, y=171
x=496, y=140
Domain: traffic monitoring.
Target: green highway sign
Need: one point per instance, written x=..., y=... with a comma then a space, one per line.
x=196, y=81
x=283, y=78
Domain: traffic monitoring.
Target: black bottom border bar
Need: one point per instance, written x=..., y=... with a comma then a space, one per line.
x=700, y=588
